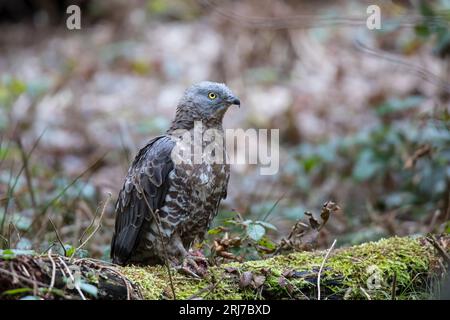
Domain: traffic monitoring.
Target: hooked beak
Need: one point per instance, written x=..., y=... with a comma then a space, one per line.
x=233, y=100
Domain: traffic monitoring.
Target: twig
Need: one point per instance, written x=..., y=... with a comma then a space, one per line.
x=208, y=289
x=60, y=194
x=431, y=239
x=294, y=288
x=12, y=274
x=3, y=238
x=8, y=197
x=96, y=228
x=394, y=286
x=75, y=283
x=89, y=226
x=111, y=267
x=420, y=71
x=17, y=232
x=52, y=281
x=321, y=267
x=166, y=257
x=63, y=191
x=13, y=186
x=25, y=271
x=58, y=237
x=49, y=247
x=274, y=206
x=26, y=167
x=365, y=293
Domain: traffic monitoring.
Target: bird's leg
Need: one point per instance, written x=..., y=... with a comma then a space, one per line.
x=196, y=262
x=197, y=256
x=192, y=264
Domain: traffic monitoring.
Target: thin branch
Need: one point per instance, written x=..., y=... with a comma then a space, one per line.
x=12, y=187
x=8, y=198
x=14, y=227
x=420, y=71
x=273, y=206
x=365, y=293
x=166, y=257
x=96, y=228
x=60, y=194
x=13, y=274
x=308, y=21
x=321, y=267
x=58, y=237
x=52, y=281
x=63, y=191
x=26, y=167
x=90, y=225
x=75, y=283
x=431, y=239
x=394, y=287
x=208, y=289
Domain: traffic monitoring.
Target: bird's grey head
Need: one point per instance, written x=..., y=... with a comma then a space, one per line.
x=206, y=101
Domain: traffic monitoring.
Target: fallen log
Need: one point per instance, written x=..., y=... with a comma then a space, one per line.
x=393, y=268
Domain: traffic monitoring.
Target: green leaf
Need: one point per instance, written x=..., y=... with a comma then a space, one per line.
x=216, y=230
x=255, y=231
x=267, y=243
x=266, y=225
x=310, y=163
x=70, y=250
x=16, y=291
x=447, y=228
x=12, y=253
x=7, y=254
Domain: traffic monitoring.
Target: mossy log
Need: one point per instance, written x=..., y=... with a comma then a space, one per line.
x=400, y=268
x=56, y=277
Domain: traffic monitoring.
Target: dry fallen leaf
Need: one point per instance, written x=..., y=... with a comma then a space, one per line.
x=258, y=281
x=245, y=279
x=312, y=221
x=422, y=151
x=328, y=208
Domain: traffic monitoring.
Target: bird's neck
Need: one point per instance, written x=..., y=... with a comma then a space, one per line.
x=187, y=121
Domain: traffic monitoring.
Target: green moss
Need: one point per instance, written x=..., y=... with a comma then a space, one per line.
x=359, y=272
x=155, y=284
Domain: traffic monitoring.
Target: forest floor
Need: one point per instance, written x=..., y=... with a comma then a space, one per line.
x=366, y=129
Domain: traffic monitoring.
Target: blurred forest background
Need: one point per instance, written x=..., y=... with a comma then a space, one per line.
x=363, y=114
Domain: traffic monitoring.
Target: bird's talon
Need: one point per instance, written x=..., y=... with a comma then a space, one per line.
x=185, y=270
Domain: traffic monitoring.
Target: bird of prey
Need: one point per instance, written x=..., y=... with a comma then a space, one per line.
x=168, y=200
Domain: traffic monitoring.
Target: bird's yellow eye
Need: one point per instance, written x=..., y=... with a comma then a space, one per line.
x=212, y=95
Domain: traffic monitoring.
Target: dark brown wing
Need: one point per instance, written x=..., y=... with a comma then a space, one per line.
x=147, y=177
